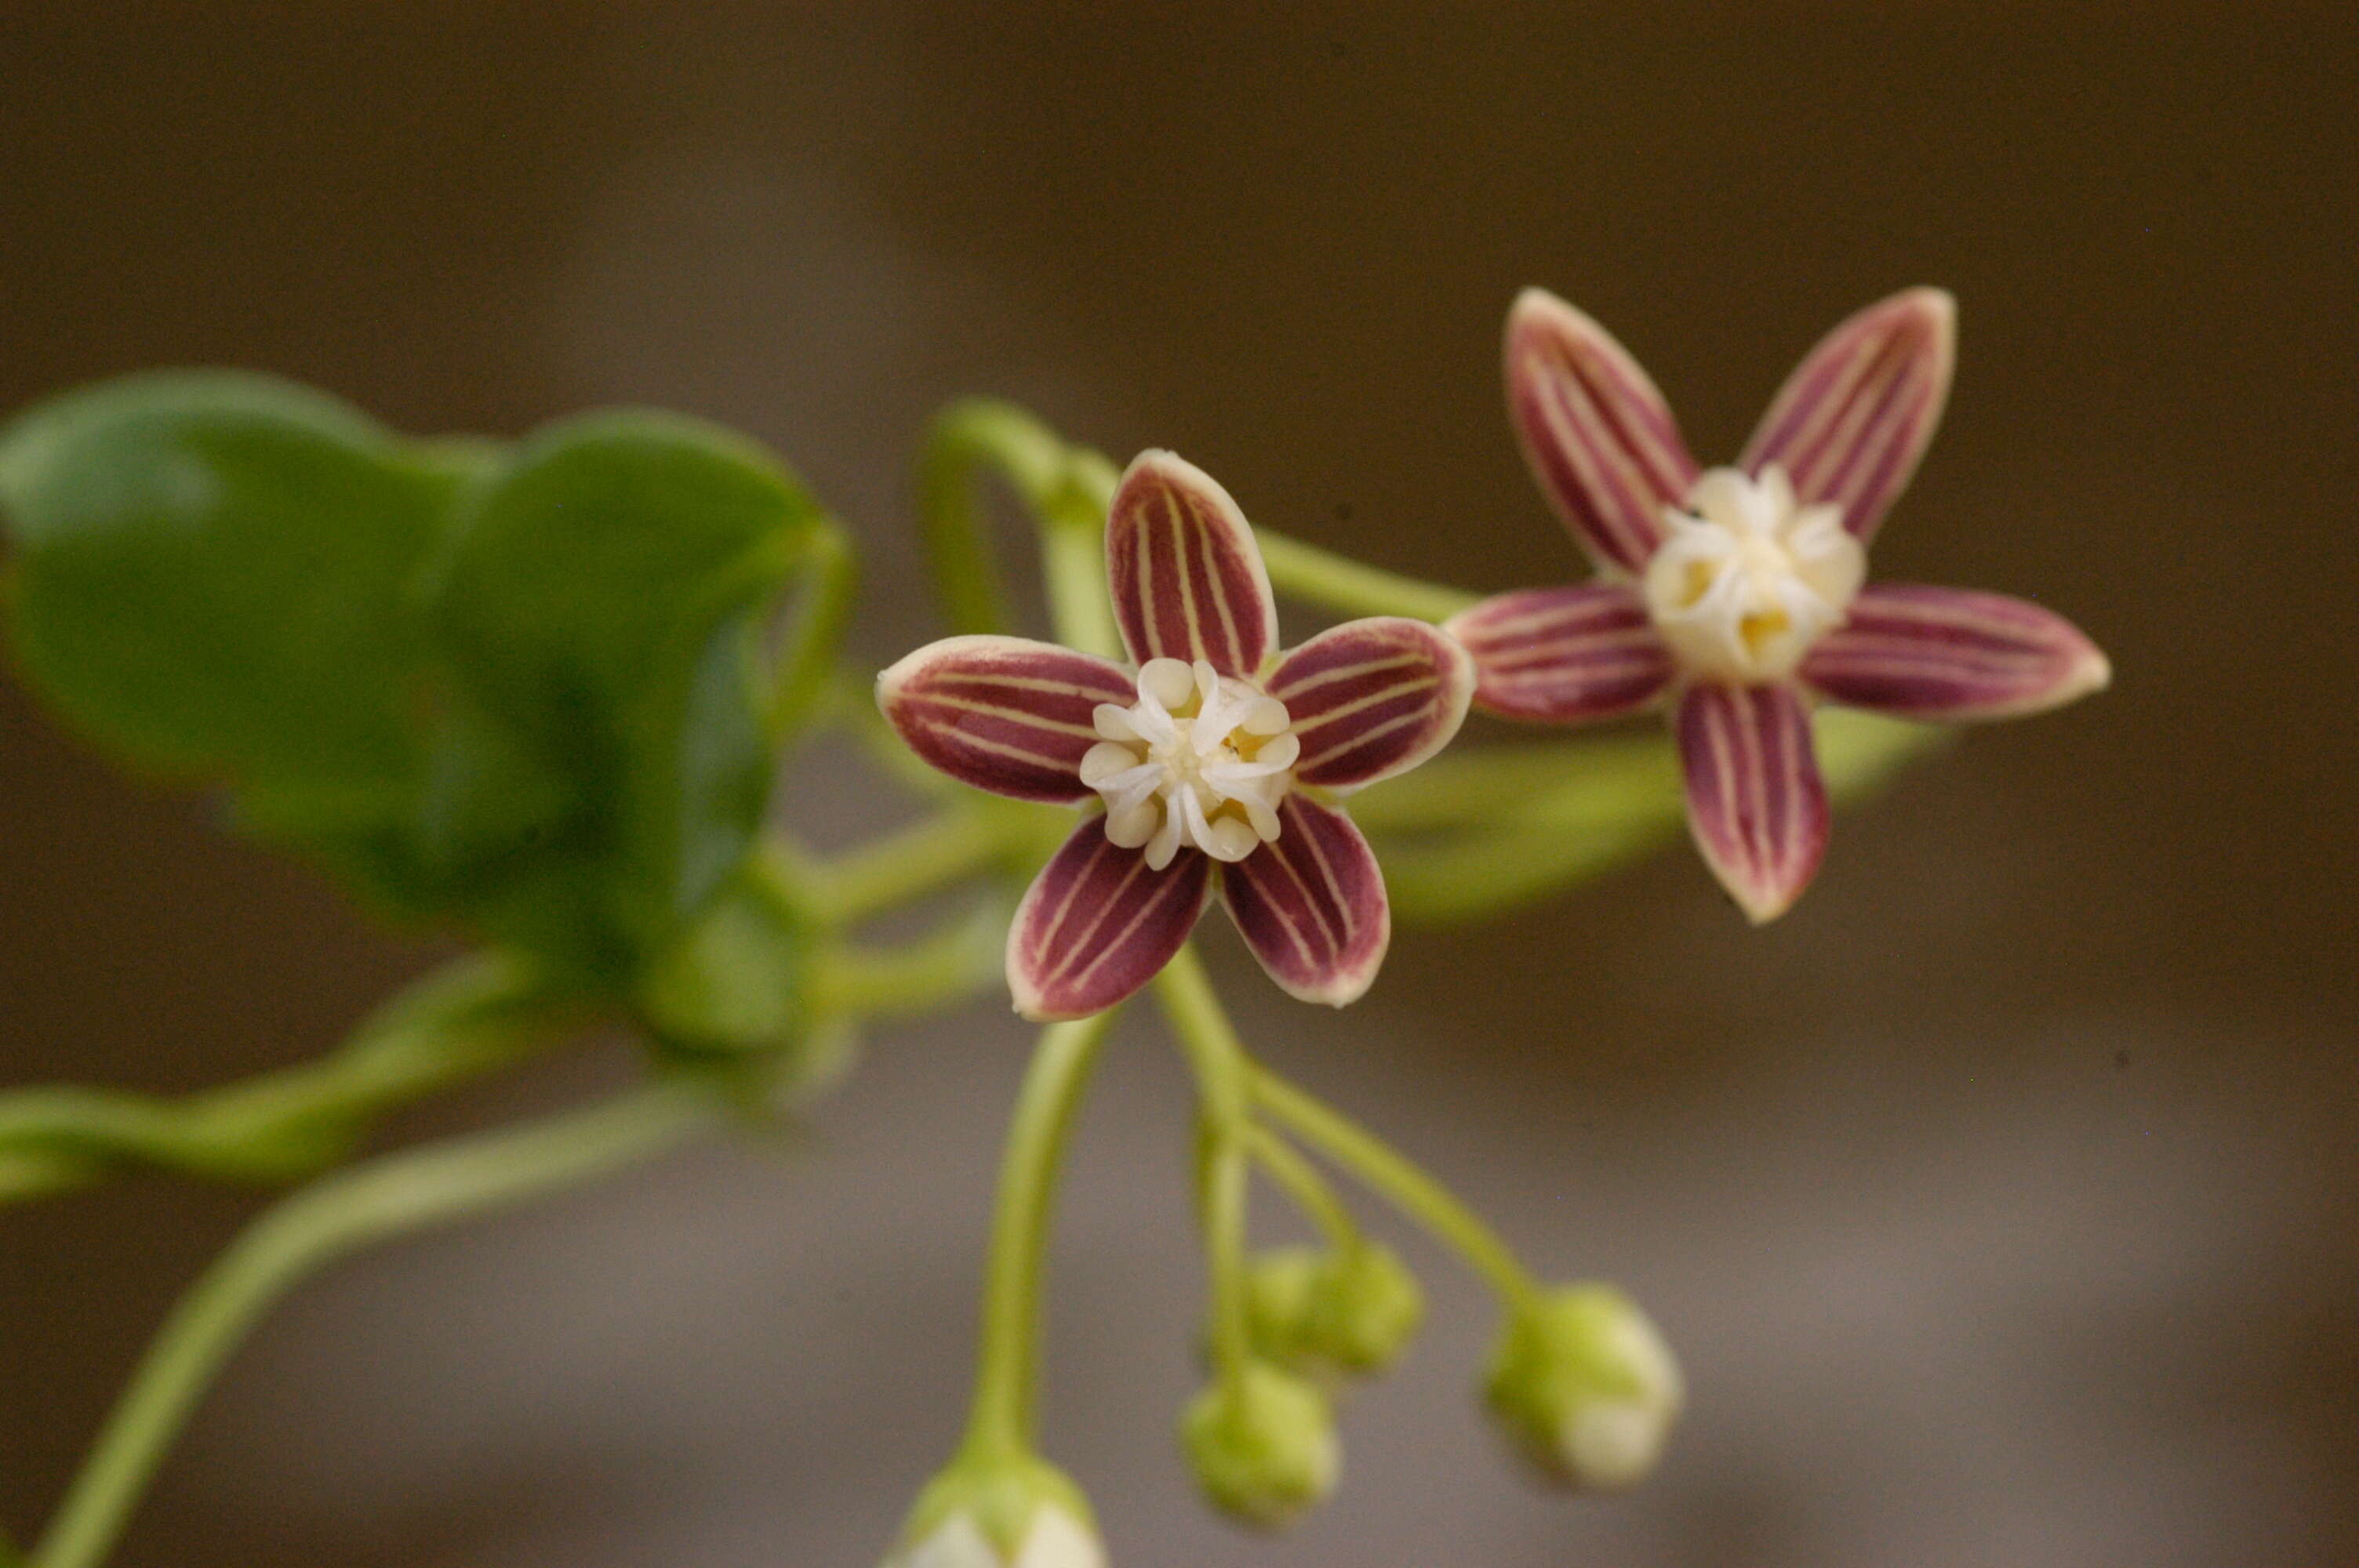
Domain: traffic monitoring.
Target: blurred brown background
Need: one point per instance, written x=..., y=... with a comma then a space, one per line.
x=2000, y=1200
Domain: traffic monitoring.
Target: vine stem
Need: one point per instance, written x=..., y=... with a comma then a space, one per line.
x=1223, y=1081
x=459, y=1022
x=1349, y=588
x=386, y=1198
x=1006, y=1380
x=1400, y=1180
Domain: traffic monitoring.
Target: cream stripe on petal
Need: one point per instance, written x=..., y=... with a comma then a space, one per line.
x=1165, y=889
x=1325, y=716
x=998, y=710
x=1422, y=657
x=1080, y=942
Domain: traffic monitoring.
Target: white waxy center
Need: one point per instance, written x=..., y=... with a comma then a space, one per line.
x=1747, y=580
x=1200, y=758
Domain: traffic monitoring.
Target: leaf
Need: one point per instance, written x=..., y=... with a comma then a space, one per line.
x=605, y=598
x=213, y=574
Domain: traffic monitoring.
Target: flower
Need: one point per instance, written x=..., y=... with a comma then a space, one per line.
x=1585, y=1388
x=1734, y=595
x=1000, y=1512
x=1213, y=752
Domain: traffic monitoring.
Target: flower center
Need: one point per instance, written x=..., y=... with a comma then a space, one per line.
x=1746, y=580
x=1200, y=758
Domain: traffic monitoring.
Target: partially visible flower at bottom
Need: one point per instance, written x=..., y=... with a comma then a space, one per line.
x=1586, y=1389
x=1218, y=757
x=1017, y=1512
x=1735, y=597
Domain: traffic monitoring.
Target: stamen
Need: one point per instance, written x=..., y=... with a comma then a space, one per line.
x=1747, y=579
x=1201, y=759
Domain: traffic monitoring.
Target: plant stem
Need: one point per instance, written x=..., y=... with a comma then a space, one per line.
x=1400, y=1180
x=389, y=1197
x=1223, y=1080
x=1338, y=583
x=962, y=957
x=466, y=1020
x=1309, y=1189
x=806, y=662
x=907, y=864
x=1007, y=1367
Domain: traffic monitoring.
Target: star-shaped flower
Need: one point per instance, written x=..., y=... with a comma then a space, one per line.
x=1735, y=596
x=1214, y=751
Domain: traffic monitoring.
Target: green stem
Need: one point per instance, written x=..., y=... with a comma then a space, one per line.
x=460, y=1023
x=1223, y=1081
x=1064, y=487
x=1400, y=1182
x=805, y=663
x=933, y=972
x=1007, y=1367
x=1306, y=1186
x=1338, y=583
x=389, y=1197
x=906, y=864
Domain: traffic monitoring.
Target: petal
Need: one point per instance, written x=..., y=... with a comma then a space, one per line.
x=1186, y=576
x=1312, y=904
x=1562, y=655
x=1097, y=924
x=1851, y=422
x=1948, y=652
x=1371, y=698
x=1598, y=436
x=1004, y=714
x=1756, y=803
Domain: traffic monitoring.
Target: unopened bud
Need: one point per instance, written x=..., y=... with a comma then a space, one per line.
x=1352, y=1310
x=1262, y=1445
x=1585, y=1387
x=1000, y=1513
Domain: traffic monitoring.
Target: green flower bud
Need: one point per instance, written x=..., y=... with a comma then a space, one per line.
x=1000, y=1512
x=1325, y=1315
x=1277, y=1301
x=1262, y=1445
x=1585, y=1387
x=1365, y=1308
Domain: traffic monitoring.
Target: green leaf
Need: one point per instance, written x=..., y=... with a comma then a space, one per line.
x=214, y=574
x=605, y=600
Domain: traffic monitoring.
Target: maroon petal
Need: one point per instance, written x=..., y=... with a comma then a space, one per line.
x=1851, y=422
x=1598, y=436
x=1003, y=713
x=1756, y=803
x=1098, y=923
x=1948, y=652
x=1371, y=698
x=1312, y=904
x=1560, y=656
x=1183, y=569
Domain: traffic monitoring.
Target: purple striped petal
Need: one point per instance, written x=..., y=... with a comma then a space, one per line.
x=1312, y=904
x=1851, y=422
x=1183, y=569
x=1003, y=713
x=1949, y=653
x=1098, y=923
x=1756, y=803
x=1560, y=656
x=1371, y=698
x=1598, y=436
